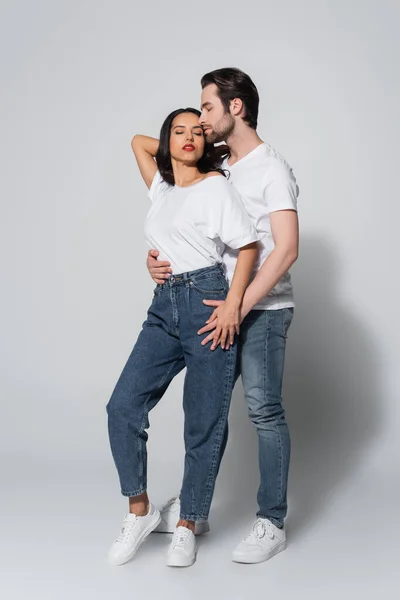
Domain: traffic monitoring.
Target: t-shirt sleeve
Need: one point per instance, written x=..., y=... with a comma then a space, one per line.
x=229, y=220
x=281, y=189
x=158, y=187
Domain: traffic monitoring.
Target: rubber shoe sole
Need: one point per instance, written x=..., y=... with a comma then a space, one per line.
x=180, y=560
x=250, y=560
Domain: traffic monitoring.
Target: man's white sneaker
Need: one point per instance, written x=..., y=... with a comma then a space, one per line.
x=263, y=542
x=170, y=517
x=182, y=550
x=133, y=532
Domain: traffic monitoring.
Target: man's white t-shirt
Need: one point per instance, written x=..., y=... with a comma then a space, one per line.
x=266, y=184
x=192, y=226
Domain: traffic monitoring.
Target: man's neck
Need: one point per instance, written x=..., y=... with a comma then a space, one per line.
x=242, y=141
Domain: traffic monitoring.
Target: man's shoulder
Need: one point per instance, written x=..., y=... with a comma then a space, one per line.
x=274, y=163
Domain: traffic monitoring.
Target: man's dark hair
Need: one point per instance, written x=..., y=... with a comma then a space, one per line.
x=234, y=83
x=210, y=161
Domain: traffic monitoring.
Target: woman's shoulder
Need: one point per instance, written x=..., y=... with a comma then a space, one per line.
x=217, y=179
x=158, y=187
x=218, y=189
x=214, y=175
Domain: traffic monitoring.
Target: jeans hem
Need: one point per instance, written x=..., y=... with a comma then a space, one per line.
x=193, y=517
x=275, y=522
x=137, y=492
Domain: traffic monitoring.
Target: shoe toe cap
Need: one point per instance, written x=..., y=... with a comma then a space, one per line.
x=116, y=555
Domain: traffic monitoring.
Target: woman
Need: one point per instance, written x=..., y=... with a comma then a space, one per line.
x=195, y=212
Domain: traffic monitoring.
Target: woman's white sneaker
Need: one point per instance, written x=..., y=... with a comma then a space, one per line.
x=133, y=533
x=263, y=542
x=182, y=551
x=170, y=516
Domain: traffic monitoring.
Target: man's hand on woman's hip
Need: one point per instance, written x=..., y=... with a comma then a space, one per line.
x=159, y=269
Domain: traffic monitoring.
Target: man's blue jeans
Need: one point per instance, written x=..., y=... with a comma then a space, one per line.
x=261, y=362
x=167, y=343
x=262, y=357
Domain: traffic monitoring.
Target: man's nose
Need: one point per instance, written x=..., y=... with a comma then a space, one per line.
x=201, y=119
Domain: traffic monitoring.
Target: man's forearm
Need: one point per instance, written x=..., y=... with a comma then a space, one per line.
x=274, y=267
x=244, y=266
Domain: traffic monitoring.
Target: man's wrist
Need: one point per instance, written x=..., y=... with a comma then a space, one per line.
x=234, y=300
x=244, y=311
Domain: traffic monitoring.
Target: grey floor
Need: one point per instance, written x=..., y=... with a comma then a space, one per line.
x=57, y=526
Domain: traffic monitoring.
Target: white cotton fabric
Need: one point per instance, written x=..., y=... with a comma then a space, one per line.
x=193, y=226
x=266, y=184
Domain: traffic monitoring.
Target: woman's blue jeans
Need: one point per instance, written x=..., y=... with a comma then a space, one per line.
x=167, y=343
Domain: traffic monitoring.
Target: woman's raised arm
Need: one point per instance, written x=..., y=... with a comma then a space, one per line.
x=145, y=148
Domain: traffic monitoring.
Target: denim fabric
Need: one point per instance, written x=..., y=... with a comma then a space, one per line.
x=167, y=343
x=262, y=357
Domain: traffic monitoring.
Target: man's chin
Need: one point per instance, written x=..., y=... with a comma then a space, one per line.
x=212, y=138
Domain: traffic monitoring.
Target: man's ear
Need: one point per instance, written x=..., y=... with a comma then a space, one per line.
x=237, y=107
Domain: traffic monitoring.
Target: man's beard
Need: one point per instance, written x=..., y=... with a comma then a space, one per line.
x=222, y=130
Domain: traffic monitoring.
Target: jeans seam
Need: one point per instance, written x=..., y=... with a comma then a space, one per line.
x=266, y=391
x=217, y=446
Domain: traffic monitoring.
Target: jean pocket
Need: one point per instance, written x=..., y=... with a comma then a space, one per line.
x=215, y=284
x=287, y=319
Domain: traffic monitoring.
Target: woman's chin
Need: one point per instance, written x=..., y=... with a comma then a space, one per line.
x=189, y=161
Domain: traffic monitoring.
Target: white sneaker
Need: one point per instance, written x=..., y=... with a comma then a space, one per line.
x=263, y=542
x=170, y=517
x=182, y=551
x=134, y=531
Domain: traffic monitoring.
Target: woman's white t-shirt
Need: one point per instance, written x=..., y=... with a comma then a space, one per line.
x=192, y=226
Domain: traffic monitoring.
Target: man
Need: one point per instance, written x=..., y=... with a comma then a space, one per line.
x=229, y=105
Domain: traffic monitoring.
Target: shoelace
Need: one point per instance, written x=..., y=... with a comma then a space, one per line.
x=180, y=536
x=126, y=530
x=260, y=529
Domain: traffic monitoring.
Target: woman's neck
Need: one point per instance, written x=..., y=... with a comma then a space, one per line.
x=185, y=175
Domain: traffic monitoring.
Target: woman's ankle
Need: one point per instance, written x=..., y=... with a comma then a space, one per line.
x=139, y=505
x=188, y=524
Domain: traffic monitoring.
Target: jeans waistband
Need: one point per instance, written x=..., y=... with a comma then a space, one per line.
x=185, y=277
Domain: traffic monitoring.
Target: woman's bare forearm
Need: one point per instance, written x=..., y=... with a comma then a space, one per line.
x=145, y=143
x=145, y=148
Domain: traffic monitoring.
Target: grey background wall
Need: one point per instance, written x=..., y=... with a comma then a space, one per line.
x=78, y=79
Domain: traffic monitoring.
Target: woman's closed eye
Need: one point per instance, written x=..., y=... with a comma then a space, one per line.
x=199, y=134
